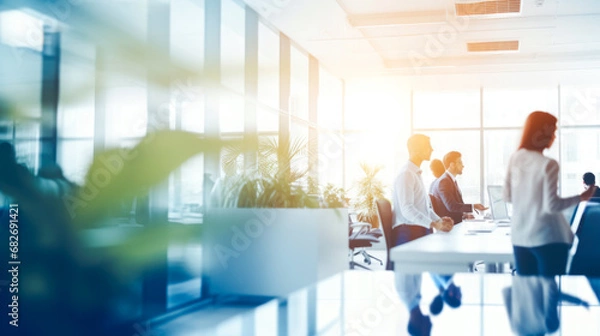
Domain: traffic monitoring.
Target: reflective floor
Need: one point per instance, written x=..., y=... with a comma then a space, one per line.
x=366, y=303
x=370, y=309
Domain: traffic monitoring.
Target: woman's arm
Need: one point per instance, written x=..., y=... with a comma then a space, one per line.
x=553, y=202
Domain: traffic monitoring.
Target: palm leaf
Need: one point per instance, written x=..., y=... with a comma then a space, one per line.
x=122, y=174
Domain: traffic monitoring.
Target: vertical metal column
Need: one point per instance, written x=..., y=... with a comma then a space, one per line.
x=212, y=71
x=313, y=131
x=481, y=151
x=284, y=93
x=158, y=34
x=251, y=89
x=50, y=93
x=343, y=130
x=100, y=101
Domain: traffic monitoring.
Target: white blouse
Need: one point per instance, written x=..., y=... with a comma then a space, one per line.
x=531, y=185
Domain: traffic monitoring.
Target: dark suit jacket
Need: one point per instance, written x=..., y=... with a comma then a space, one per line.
x=447, y=199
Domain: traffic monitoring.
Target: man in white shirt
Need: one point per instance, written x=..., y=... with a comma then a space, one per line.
x=414, y=218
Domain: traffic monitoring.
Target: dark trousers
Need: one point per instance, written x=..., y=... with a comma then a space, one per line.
x=404, y=233
x=545, y=260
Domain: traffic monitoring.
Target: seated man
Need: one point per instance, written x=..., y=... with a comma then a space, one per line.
x=588, y=180
x=447, y=191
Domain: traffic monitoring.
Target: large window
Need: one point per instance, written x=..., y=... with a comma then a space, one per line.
x=330, y=104
x=510, y=107
x=268, y=79
x=75, y=146
x=580, y=106
x=231, y=111
x=579, y=135
x=187, y=33
x=126, y=111
x=187, y=112
x=455, y=116
x=299, y=84
x=498, y=147
x=187, y=48
x=377, y=116
x=446, y=109
x=330, y=119
x=299, y=139
x=187, y=105
x=579, y=148
x=373, y=149
x=467, y=143
x=21, y=40
x=330, y=158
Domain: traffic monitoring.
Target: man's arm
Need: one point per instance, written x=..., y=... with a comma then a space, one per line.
x=447, y=194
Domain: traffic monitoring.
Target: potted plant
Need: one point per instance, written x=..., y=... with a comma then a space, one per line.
x=368, y=189
x=268, y=237
x=333, y=197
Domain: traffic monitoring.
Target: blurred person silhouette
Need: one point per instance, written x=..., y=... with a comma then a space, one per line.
x=437, y=168
x=532, y=304
x=413, y=219
x=446, y=189
x=44, y=237
x=69, y=286
x=541, y=236
x=589, y=179
x=55, y=174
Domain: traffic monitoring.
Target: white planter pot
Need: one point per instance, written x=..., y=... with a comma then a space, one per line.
x=272, y=252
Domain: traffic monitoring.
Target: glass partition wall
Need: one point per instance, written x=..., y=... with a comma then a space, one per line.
x=105, y=100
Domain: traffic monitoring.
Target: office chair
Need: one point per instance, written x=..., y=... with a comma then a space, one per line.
x=594, y=200
x=384, y=210
x=586, y=260
x=365, y=229
x=360, y=239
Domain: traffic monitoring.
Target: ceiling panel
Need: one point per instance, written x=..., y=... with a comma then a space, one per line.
x=388, y=6
x=576, y=7
x=370, y=35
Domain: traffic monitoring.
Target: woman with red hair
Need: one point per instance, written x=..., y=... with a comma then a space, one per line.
x=541, y=236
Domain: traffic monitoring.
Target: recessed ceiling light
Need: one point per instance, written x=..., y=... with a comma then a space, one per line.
x=493, y=46
x=487, y=7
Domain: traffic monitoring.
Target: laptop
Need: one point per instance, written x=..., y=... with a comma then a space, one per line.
x=498, y=206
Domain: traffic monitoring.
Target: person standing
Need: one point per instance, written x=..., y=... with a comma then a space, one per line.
x=541, y=236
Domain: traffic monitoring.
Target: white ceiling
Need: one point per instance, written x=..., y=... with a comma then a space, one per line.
x=367, y=37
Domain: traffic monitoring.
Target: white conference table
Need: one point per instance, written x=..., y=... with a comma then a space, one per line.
x=454, y=251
